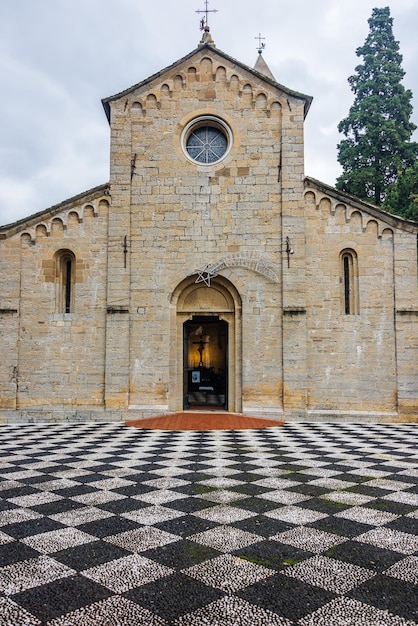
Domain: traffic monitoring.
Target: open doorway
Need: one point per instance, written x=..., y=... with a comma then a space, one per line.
x=205, y=363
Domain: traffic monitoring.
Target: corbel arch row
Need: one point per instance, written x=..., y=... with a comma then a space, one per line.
x=140, y=106
x=367, y=222
x=67, y=219
x=259, y=98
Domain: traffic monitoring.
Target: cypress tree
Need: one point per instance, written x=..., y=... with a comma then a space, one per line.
x=378, y=130
x=402, y=196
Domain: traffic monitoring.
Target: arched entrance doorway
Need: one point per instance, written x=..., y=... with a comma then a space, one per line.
x=206, y=355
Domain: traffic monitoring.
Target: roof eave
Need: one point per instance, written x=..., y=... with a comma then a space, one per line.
x=90, y=194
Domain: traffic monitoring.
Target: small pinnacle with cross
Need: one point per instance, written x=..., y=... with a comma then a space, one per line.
x=204, y=23
x=260, y=46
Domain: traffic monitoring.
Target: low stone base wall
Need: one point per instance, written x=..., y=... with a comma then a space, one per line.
x=298, y=415
x=64, y=414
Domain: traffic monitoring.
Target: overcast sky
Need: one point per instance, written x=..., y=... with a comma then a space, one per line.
x=59, y=58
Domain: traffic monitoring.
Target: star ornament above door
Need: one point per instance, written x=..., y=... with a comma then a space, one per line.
x=205, y=275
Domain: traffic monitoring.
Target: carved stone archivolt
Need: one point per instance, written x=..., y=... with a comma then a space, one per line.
x=253, y=261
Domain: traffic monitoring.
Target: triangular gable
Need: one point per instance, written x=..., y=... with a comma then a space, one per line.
x=215, y=51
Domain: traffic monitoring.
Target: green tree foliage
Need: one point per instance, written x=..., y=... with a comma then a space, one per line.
x=402, y=196
x=378, y=130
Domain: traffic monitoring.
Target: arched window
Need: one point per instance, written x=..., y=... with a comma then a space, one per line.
x=65, y=280
x=349, y=282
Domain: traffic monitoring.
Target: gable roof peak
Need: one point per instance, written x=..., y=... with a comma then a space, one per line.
x=261, y=72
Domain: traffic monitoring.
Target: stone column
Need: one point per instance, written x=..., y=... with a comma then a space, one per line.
x=119, y=278
x=293, y=262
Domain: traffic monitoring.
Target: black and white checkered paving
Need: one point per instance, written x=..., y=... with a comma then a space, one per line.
x=305, y=524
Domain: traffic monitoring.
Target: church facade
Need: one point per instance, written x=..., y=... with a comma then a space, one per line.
x=209, y=271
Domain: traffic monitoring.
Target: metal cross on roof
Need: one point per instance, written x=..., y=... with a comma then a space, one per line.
x=204, y=25
x=260, y=46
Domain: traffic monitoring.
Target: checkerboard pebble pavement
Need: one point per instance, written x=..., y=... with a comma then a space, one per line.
x=300, y=525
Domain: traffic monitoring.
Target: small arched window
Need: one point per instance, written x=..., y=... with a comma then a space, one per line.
x=349, y=282
x=65, y=280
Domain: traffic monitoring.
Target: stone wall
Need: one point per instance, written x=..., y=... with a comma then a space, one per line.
x=53, y=358
x=365, y=362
